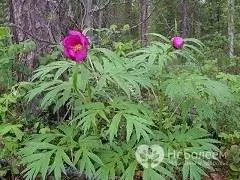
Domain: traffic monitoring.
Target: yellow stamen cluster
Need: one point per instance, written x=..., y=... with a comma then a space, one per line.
x=77, y=47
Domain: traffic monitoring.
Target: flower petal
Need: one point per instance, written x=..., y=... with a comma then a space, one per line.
x=74, y=33
x=83, y=39
x=66, y=52
x=72, y=54
x=70, y=41
x=81, y=55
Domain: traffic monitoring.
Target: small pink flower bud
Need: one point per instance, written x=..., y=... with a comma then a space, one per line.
x=177, y=42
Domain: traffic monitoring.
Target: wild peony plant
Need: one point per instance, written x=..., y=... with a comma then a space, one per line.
x=114, y=104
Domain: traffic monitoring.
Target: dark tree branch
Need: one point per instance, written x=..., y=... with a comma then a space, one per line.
x=119, y=3
x=30, y=34
x=97, y=9
x=137, y=25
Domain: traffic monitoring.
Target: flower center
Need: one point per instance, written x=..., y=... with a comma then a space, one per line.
x=77, y=47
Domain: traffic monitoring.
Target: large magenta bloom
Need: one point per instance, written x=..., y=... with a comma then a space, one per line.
x=177, y=42
x=75, y=46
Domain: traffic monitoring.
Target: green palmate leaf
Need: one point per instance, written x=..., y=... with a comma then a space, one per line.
x=91, y=142
x=60, y=71
x=57, y=91
x=64, y=97
x=115, y=157
x=41, y=88
x=188, y=55
x=204, y=110
x=95, y=158
x=49, y=153
x=140, y=125
x=66, y=135
x=121, y=72
x=185, y=171
x=198, y=151
x=193, y=48
x=193, y=41
x=37, y=163
x=58, y=163
x=47, y=138
x=161, y=54
x=129, y=128
x=84, y=159
x=157, y=53
x=204, y=164
x=121, y=84
x=107, y=171
x=160, y=36
x=113, y=129
x=130, y=171
x=197, y=91
x=90, y=115
x=59, y=66
x=45, y=163
x=164, y=171
x=192, y=171
x=84, y=78
x=112, y=56
x=11, y=128
x=40, y=162
x=136, y=118
x=151, y=174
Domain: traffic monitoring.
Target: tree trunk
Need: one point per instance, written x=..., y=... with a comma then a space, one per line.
x=128, y=12
x=100, y=20
x=130, y=18
x=100, y=14
x=43, y=21
x=198, y=15
x=143, y=6
x=231, y=27
x=35, y=20
x=88, y=20
x=185, y=26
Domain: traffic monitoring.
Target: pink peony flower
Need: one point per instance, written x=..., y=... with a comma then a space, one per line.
x=177, y=42
x=75, y=45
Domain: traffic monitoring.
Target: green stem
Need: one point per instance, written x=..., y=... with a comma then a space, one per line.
x=75, y=80
x=160, y=101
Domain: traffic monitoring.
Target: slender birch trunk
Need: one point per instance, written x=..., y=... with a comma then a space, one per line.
x=231, y=26
x=143, y=21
